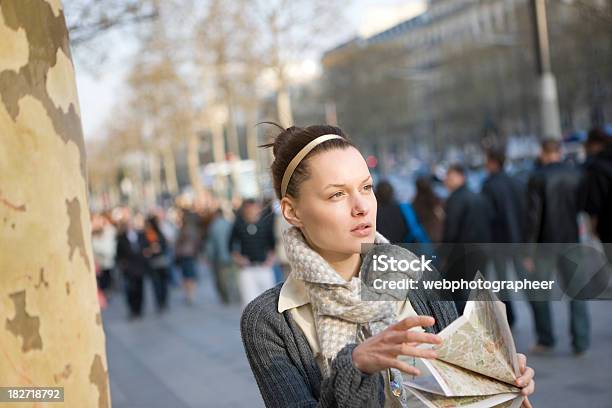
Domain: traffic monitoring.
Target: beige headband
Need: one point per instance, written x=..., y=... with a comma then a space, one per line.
x=298, y=158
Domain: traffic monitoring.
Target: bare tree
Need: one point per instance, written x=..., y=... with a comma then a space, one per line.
x=88, y=19
x=288, y=31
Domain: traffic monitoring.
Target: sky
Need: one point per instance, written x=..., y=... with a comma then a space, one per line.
x=100, y=90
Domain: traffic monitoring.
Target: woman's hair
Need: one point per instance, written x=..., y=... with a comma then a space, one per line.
x=154, y=223
x=289, y=142
x=425, y=196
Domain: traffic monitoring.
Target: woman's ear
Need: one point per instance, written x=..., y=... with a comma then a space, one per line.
x=289, y=211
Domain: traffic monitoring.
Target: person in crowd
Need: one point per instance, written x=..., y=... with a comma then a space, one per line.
x=220, y=259
x=312, y=340
x=398, y=220
x=104, y=246
x=252, y=245
x=553, y=204
x=389, y=218
x=282, y=267
x=132, y=263
x=186, y=251
x=506, y=198
x=156, y=251
x=429, y=209
x=467, y=222
x=597, y=187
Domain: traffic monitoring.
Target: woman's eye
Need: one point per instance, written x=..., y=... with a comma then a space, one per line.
x=336, y=195
x=368, y=187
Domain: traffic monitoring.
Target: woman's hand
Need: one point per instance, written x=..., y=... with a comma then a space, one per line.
x=525, y=381
x=380, y=352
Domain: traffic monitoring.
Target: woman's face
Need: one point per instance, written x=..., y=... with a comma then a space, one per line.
x=336, y=208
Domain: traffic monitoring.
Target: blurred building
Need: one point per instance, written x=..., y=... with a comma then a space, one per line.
x=465, y=70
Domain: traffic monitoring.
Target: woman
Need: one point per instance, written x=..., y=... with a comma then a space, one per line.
x=186, y=251
x=390, y=221
x=428, y=208
x=308, y=340
x=156, y=251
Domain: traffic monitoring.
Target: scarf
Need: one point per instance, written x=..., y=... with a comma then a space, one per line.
x=341, y=316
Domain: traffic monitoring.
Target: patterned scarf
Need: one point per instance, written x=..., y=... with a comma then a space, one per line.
x=338, y=310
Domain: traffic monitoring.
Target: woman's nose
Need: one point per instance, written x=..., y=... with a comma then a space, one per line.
x=360, y=206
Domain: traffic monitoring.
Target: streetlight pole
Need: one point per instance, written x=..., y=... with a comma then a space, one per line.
x=549, y=104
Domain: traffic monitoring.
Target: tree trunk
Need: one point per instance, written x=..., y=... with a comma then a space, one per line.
x=193, y=162
x=283, y=105
x=251, y=139
x=51, y=330
x=232, y=131
x=154, y=176
x=220, y=186
x=170, y=171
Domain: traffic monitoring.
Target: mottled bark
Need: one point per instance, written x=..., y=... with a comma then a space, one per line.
x=51, y=332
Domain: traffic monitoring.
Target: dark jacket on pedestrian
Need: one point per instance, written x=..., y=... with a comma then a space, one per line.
x=553, y=203
x=253, y=241
x=286, y=370
x=598, y=192
x=467, y=217
x=391, y=223
x=130, y=258
x=189, y=237
x=506, y=198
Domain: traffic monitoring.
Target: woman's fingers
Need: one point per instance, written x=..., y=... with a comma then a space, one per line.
x=529, y=389
x=524, y=379
x=408, y=336
x=413, y=321
x=407, y=350
x=522, y=360
x=416, y=337
x=526, y=403
x=400, y=365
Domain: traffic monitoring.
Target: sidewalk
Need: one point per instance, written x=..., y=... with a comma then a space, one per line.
x=192, y=357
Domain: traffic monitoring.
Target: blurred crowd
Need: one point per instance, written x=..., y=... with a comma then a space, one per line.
x=171, y=246
x=559, y=201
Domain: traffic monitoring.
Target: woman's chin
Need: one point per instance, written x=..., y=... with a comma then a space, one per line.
x=359, y=241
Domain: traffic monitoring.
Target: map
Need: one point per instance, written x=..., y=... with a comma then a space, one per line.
x=476, y=365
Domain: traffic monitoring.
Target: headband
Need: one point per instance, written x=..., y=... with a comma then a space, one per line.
x=298, y=158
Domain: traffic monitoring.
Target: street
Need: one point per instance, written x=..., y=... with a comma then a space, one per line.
x=192, y=357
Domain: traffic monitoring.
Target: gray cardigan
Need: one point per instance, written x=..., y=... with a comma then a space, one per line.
x=285, y=368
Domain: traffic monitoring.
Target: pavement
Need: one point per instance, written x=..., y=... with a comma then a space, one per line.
x=192, y=356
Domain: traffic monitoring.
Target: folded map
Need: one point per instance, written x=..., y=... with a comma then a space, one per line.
x=477, y=363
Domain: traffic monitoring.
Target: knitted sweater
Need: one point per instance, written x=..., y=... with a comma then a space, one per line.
x=286, y=370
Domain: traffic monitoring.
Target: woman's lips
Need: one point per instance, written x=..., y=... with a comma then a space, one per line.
x=362, y=230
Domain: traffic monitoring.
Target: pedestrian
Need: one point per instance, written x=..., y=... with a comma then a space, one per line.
x=506, y=198
x=429, y=209
x=552, y=209
x=597, y=187
x=156, y=252
x=104, y=247
x=186, y=252
x=282, y=267
x=220, y=259
x=252, y=247
x=467, y=222
x=389, y=218
x=312, y=341
x=132, y=263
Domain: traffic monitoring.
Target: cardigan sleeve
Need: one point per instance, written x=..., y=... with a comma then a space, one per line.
x=282, y=379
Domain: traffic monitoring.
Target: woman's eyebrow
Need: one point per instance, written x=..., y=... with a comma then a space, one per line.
x=342, y=185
